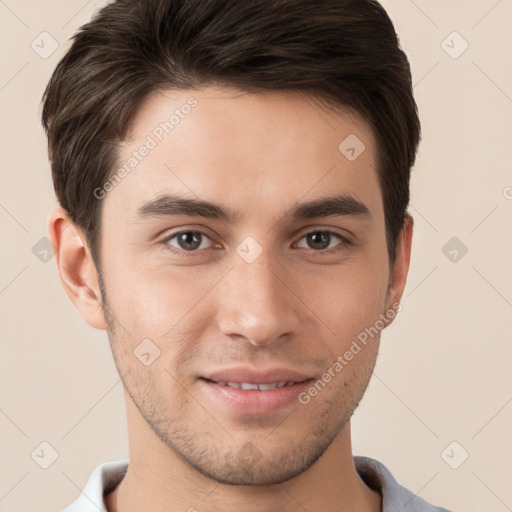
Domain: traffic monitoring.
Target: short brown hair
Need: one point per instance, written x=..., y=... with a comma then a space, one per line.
x=343, y=51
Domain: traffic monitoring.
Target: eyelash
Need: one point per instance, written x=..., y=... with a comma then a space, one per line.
x=342, y=246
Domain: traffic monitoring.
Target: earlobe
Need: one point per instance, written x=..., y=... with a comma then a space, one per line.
x=76, y=267
x=398, y=277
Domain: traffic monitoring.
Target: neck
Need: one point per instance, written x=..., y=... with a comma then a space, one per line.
x=159, y=480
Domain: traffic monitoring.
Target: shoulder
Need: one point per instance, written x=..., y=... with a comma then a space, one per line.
x=394, y=496
x=102, y=480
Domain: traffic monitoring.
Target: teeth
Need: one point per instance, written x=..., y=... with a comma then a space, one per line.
x=256, y=387
x=266, y=387
x=243, y=385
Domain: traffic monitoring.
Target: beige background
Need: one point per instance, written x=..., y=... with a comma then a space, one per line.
x=444, y=368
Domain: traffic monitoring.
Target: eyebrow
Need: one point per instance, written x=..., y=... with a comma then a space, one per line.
x=169, y=205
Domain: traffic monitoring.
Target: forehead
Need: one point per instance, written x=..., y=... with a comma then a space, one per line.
x=251, y=151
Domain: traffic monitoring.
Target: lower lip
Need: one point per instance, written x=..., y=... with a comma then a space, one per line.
x=255, y=401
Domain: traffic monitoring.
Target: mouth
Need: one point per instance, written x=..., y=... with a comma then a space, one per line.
x=242, y=390
x=250, y=386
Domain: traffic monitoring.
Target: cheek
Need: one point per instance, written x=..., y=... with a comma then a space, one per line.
x=171, y=309
x=350, y=300
x=155, y=301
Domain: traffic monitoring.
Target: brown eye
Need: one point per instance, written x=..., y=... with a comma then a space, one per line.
x=321, y=240
x=189, y=241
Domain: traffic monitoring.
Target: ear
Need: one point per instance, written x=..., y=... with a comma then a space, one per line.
x=398, y=276
x=76, y=267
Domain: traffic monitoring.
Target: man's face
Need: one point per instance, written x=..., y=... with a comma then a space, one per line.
x=274, y=292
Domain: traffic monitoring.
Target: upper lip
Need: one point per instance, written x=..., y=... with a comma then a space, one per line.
x=254, y=376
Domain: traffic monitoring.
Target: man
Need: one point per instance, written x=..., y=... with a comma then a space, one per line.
x=233, y=179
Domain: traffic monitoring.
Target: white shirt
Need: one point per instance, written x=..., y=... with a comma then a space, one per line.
x=375, y=475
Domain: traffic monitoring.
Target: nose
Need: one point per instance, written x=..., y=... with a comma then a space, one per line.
x=256, y=304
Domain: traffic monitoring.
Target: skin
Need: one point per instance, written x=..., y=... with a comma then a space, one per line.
x=296, y=306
